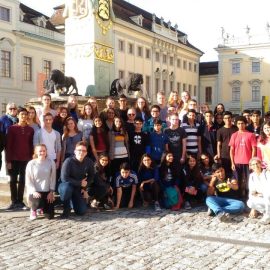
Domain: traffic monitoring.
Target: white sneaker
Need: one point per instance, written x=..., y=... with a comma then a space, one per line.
x=157, y=206
x=265, y=219
x=33, y=215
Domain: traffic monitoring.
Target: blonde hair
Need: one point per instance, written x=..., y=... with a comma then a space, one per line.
x=39, y=145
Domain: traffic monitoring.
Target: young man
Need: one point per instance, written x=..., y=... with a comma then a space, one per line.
x=177, y=139
x=155, y=115
x=110, y=104
x=209, y=135
x=223, y=138
x=246, y=114
x=255, y=126
x=193, y=131
x=161, y=102
x=138, y=144
x=192, y=105
x=158, y=142
x=242, y=149
x=123, y=108
x=76, y=175
x=225, y=202
x=51, y=138
x=19, y=151
x=126, y=184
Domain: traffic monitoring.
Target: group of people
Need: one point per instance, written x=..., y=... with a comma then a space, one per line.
x=173, y=154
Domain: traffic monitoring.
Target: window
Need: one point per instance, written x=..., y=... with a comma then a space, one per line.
x=147, y=85
x=157, y=85
x=164, y=85
x=185, y=64
x=178, y=63
x=121, y=46
x=189, y=88
x=47, y=67
x=256, y=67
x=189, y=66
x=171, y=60
x=121, y=74
x=195, y=90
x=236, y=93
x=208, y=95
x=147, y=53
x=5, y=14
x=140, y=51
x=171, y=85
x=164, y=59
x=184, y=87
x=130, y=48
x=27, y=68
x=195, y=67
x=178, y=87
x=256, y=90
x=5, y=64
x=63, y=68
x=236, y=68
x=157, y=56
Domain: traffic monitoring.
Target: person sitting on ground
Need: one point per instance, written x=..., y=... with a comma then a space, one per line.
x=40, y=178
x=76, y=175
x=126, y=185
x=223, y=197
x=259, y=191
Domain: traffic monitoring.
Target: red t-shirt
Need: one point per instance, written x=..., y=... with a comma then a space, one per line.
x=242, y=142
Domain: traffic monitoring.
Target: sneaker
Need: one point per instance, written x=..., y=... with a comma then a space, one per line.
x=223, y=217
x=65, y=214
x=33, y=215
x=11, y=207
x=157, y=206
x=210, y=212
x=187, y=206
x=265, y=219
x=21, y=206
x=94, y=204
x=40, y=212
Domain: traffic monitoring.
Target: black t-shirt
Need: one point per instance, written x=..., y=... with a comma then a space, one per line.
x=224, y=135
x=175, y=137
x=137, y=144
x=222, y=189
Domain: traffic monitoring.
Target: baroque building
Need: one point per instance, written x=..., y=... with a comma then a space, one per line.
x=30, y=47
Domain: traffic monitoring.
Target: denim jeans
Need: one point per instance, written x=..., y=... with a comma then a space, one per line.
x=69, y=193
x=227, y=205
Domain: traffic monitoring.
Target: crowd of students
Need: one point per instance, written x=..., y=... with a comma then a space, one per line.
x=173, y=154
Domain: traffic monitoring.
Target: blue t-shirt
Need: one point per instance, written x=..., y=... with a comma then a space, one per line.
x=132, y=179
x=157, y=144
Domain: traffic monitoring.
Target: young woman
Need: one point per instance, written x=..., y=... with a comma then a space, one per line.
x=174, y=100
x=46, y=107
x=183, y=108
x=204, y=107
x=85, y=123
x=194, y=184
x=218, y=120
x=70, y=138
x=206, y=169
x=142, y=109
x=40, y=183
x=169, y=182
x=259, y=194
x=94, y=104
x=118, y=140
x=32, y=118
x=109, y=119
x=72, y=106
x=59, y=120
x=263, y=146
x=99, y=140
x=148, y=177
x=101, y=189
x=220, y=108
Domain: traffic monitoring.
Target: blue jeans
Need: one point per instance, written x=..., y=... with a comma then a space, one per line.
x=227, y=205
x=69, y=193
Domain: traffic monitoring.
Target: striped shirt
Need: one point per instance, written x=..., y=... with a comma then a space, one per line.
x=193, y=132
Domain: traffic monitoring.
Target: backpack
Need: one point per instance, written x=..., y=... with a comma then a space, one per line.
x=171, y=197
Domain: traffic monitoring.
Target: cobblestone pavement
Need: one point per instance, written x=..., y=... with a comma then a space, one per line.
x=136, y=239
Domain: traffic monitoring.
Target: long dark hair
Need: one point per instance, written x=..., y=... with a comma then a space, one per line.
x=194, y=173
x=163, y=168
x=103, y=172
x=142, y=166
x=104, y=133
x=122, y=128
x=263, y=137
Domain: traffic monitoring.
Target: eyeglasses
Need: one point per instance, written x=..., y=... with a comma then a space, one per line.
x=131, y=114
x=12, y=109
x=254, y=164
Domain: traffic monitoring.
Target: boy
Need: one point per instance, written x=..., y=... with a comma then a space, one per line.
x=126, y=184
x=158, y=141
x=225, y=202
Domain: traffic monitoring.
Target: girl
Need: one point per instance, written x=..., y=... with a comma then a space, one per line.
x=101, y=190
x=94, y=104
x=40, y=183
x=72, y=106
x=220, y=108
x=99, y=141
x=193, y=180
x=259, y=195
x=206, y=170
x=32, y=118
x=109, y=119
x=174, y=100
x=169, y=182
x=264, y=145
x=46, y=107
x=218, y=121
x=85, y=123
x=70, y=138
x=148, y=177
x=142, y=109
x=118, y=140
x=183, y=108
x=59, y=120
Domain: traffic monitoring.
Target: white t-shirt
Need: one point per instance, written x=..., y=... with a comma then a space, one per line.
x=49, y=139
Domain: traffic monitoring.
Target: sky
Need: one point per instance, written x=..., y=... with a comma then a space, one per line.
x=201, y=20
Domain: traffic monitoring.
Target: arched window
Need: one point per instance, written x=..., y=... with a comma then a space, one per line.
x=255, y=90
x=236, y=87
